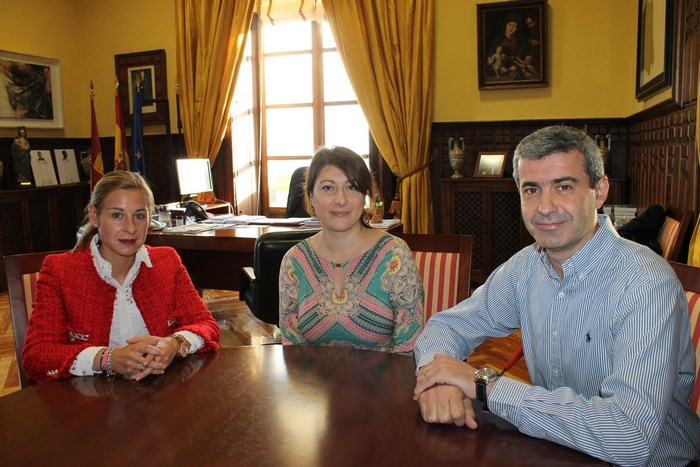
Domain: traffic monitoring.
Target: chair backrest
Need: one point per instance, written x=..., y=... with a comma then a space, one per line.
x=445, y=264
x=295, y=199
x=262, y=294
x=674, y=231
x=690, y=280
x=22, y=271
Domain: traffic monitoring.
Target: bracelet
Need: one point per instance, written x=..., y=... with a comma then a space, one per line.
x=110, y=371
x=103, y=359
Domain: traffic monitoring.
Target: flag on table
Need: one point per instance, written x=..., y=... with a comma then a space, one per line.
x=138, y=163
x=97, y=167
x=121, y=151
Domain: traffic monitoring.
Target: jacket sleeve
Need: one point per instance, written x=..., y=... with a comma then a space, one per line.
x=49, y=351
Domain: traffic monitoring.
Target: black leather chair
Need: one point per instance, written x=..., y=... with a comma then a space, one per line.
x=260, y=284
x=295, y=198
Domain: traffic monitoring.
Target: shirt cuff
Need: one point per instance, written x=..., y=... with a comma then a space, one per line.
x=506, y=397
x=82, y=365
x=196, y=342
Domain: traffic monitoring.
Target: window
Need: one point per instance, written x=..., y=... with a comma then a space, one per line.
x=306, y=102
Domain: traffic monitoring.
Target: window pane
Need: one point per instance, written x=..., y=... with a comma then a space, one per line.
x=287, y=36
x=288, y=79
x=279, y=174
x=290, y=132
x=336, y=83
x=346, y=126
x=328, y=39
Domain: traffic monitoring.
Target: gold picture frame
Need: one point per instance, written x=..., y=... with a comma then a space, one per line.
x=490, y=164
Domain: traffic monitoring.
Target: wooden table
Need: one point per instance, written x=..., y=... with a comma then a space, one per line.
x=214, y=258
x=263, y=405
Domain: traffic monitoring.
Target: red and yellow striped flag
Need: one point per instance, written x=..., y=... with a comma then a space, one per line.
x=97, y=170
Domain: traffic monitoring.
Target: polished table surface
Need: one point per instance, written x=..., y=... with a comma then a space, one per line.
x=264, y=405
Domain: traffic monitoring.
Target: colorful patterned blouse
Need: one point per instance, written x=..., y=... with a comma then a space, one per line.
x=381, y=307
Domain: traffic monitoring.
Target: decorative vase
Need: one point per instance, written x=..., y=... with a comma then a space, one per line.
x=456, y=156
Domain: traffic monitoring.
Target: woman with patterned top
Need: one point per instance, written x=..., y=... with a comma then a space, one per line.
x=113, y=305
x=349, y=284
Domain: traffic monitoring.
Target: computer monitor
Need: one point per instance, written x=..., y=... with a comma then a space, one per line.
x=194, y=177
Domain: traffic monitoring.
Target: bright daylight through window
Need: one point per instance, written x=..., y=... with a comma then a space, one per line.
x=307, y=102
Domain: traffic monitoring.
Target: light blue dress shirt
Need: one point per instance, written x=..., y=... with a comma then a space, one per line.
x=608, y=350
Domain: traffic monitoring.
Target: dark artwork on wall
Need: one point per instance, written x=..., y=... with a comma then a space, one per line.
x=654, y=47
x=512, y=41
x=149, y=69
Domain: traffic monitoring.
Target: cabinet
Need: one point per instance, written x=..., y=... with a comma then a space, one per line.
x=489, y=210
x=40, y=219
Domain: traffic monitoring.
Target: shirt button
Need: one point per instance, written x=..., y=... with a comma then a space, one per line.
x=555, y=371
x=561, y=294
x=504, y=415
x=555, y=333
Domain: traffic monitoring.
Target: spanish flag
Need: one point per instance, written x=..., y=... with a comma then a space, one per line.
x=98, y=169
x=121, y=153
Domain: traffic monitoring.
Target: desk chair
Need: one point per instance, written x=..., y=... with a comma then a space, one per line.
x=445, y=266
x=673, y=233
x=690, y=280
x=296, y=206
x=22, y=272
x=260, y=283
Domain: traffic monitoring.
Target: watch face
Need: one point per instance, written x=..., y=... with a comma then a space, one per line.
x=485, y=374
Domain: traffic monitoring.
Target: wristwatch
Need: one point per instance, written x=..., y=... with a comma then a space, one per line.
x=183, y=345
x=482, y=378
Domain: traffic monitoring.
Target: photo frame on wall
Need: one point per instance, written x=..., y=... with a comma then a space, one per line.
x=512, y=44
x=42, y=168
x=149, y=68
x=490, y=164
x=30, y=91
x=67, y=166
x=654, y=47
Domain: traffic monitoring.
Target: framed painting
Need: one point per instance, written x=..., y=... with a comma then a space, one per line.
x=42, y=168
x=30, y=91
x=490, y=164
x=149, y=69
x=67, y=166
x=512, y=42
x=654, y=47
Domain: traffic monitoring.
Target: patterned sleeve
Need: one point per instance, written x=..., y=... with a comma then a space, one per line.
x=407, y=298
x=289, y=301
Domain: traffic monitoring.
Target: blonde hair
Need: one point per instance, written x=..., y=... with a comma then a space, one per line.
x=117, y=180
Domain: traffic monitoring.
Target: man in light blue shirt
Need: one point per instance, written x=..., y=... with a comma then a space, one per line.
x=604, y=323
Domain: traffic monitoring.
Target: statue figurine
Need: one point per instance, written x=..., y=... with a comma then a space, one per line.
x=21, y=159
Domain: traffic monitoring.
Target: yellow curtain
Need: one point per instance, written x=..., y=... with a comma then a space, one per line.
x=388, y=51
x=694, y=249
x=211, y=38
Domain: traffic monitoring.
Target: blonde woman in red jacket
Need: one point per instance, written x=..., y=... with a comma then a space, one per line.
x=114, y=305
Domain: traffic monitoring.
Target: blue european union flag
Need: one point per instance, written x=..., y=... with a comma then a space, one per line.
x=138, y=162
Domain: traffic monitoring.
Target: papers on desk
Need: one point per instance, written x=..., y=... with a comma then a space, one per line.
x=192, y=228
x=386, y=223
x=255, y=220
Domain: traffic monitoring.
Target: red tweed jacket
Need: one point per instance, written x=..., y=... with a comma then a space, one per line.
x=73, y=309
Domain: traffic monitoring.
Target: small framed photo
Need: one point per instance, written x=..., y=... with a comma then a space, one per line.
x=42, y=167
x=149, y=69
x=490, y=164
x=67, y=166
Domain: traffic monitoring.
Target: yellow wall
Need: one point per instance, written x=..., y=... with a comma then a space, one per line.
x=592, y=69
x=85, y=35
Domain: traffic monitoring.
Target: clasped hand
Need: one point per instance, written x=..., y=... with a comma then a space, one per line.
x=144, y=355
x=444, y=390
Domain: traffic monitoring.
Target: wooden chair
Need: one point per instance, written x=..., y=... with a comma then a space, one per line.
x=445, y=265
x=674, y=231
x=690, y=279
x=22, y=271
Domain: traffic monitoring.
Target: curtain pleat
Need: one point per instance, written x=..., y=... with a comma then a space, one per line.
x=388, y=51
x=694, y=248
x=211, y=38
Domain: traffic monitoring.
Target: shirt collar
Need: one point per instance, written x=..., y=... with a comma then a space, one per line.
x=104, y=267
x=589, y=256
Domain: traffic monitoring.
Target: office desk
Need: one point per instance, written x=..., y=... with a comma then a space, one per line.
x=214, y=258
x=264, y=405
